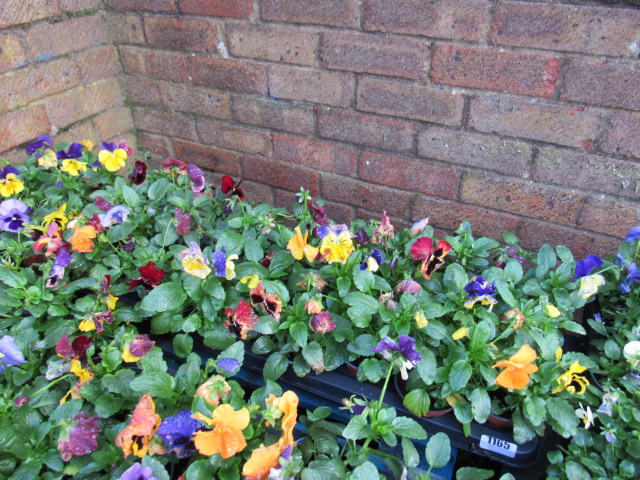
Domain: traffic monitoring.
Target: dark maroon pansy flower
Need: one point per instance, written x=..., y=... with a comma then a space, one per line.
x=95, y=223
x=169, y=163
x=99, y=320
x=318, y=212
x=362, y=238
x=76, y=349
x=105, y=285
x=103, y=204
x=231, y=188
x=129, y=247
x=150, y=276
x=184, y=222
x=266, y=261
x=80, y=437
x=139, y=173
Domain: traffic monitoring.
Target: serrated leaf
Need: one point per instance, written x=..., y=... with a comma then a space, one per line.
x=275, y=366
x=357, y=428
x=459, y=375
x=12, y=278
x=158, y=384
x=417, y=402
x=472, y=473
x=167, y=296
x=408, y=427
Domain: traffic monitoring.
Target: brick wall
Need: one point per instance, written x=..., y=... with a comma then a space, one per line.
x=58, y=75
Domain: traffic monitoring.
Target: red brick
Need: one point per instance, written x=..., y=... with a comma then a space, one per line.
x=588, y=172
x=448, y=215
x=189, y=98
x=622, y=136
x=152, y=5
x=475, y=150
x=208, y=157
x=97, y=64
x=165, y=123
x=114, y=122
x=533, y=234
x=234, y=137
x=274, y=114
x=407, y=174
x=365, y=195
x=368, y=215
x=229, y=74
x=80, y=131
x=612, y=84
x=605, y=215
x=374, y=54
x=155, y=63
x=158, y=145
x=314, y=154
x=143, y=90
x=22, y=126
x=339, y=13
x=79, y=5
x=547, y=122
x=198, y=34
x=12, y=54
x=70, y=36
x=522, y=198
x=369, y=130
x=280, y=44
x=523, y=73
x=596, y=30
x=336, y=212
x=16, y=12
x=278, y=174
x=23, y=86
x=404, y=100
x=81, y=102
x=317, y=86
x=126, y=28
x=452, y=19
x=218, y=8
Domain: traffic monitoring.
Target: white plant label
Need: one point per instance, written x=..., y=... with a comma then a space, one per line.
x=497, y=445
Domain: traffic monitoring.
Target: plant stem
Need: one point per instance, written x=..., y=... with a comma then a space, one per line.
x=48, y=386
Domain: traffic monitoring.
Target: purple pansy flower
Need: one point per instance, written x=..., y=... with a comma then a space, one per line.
x=63, y=259
x=73, y=152
x=40, y=142
x=633, y=234
x=362, y=238
x=115, y=215
x=184, y=222
x=407, y=348
x=138, y=472
x=277, y=473
x=111, y=146
x=80, y=438
x=322, y=323
x=632, y=277
x=228, y=365
x=13, y=215
x=480, y=290
x=103, y=204
x=7, y=169
x=372, y=261
x=177, y=431
x=197, y=177
x=219, y=262
x=10, y=354
x=584, y=267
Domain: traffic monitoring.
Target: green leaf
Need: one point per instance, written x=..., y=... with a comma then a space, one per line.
x=480, y=405
x=362, y=308
x=158, y=469
x=275, y=366
x=12, y=278
x=575, y=471
x=366, y=471
x=200, y=469
x=438, y=450
x=364, y=280
x=319, y=413
x=166, y=296
x=344, y=284
x=182, y=345
x=408, y=427
x=612, y=350
x=534, y=409
x=563, y=414
x=513, y=271
x=253, y=251
x=130, y=196
x=313, y=355
x=300, y=333
x=505, y=293
x=357, y=428
x=158, y=189
x=371, y=369
x=546, y=260
x=158, y=384
x=459, y=375
x=107, y=404
x=471, y=473
x=233, y=242
x=409, y=453
x=417, y=402
x=455, y=278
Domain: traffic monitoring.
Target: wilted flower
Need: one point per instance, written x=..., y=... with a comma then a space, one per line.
x=420, y=226
x=408, y=286
x=228, y=365
x=170, y=163
x=197, y=177
x=421, y=319
x=137, y=436
x=515, y=317
x=270, y=303
x=13, y=215
x=62, y=261
x=177, y=432
x=313, y=307
x=124, y=146
x=139, y=173
x=631, y=352
x=74, y=152
x=517, y=369
x=570, y=376
x=362, y=238
x=47, y=159
x=608, y=401
x=138, y=348
x=551, y=310
x=589, y=285
x=214, y=390
x=10, y=354
x=241, y=319
x=299, y=247
x=38, y=143
x=79, y=438
x=251, y=281
x=586, y=415
x=460, y=333
x=385, y=230
x=322, y=323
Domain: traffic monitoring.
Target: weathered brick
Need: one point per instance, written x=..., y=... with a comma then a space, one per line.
x=81, y=102
x=452, y=19
x=23, y=86
x=143, y=90
x=374, y=54
x=588, y=172
x=449, y=215
x=314, y=154
x=114, y=122
x=547, y=122
x=155, y=63
x=317, y=86
x=612, y=84
x=97, y=64
x=274, y=114
x=337, y=213
x=408, y=174
x=198, y=34
x=475, y=150
x=369, y=130
x=415, y=102
x=16, y=12
x=339, y=13
x=152, y=5
x=622, y=136
x=513, y=72
x=78, y=5
x=158, y=145
x=218, y=8
x=365, y=195
x=22, y=126
x=286, y=176
x=256, y=192
x=208, y=157
x=280, y=44
x=12, y=54
x=533, y=234
x=190, y=98
x=126, y=28
x=70, y=36
x=584, y=29
x=605, y=215
x=523, y=198
x=165, y=123
x=234, y=137
x=80, y=131
x=228, y=74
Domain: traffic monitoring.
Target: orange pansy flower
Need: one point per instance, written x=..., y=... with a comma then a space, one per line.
x=137, y=436
x=262, y=460
x=81, y=240
x=517, y=369
x=226, y=438
x=299, y=247
x=288, y=405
